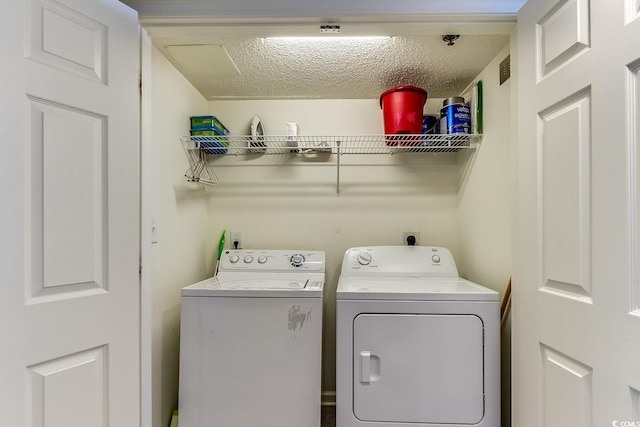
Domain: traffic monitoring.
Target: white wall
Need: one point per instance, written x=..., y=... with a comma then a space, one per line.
x=484, y=250
x=179, y=257
x=484, y=212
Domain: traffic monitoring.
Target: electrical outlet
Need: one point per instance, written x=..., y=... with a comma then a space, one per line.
x=406, y=234
x=235, y=240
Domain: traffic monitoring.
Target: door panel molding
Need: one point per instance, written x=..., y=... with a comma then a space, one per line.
x=70, y=390
x=564, y=144
x=567, y=390
x=63, y=38
x=66, y=202
x=632, y=10
x=561, y=35
x=635, y=403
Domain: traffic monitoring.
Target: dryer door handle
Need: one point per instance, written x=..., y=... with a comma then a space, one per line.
x=369, y=367
x=365, y=367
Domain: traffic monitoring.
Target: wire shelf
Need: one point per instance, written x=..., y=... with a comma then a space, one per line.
x=201, y=149
x=361, y=144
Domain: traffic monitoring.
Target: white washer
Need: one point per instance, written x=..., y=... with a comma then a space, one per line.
x=251, y=342
x=416, y=344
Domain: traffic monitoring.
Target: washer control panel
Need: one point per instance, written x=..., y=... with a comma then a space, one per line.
x=272, y=260
x=415, y=261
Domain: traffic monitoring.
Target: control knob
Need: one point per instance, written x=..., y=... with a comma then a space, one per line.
x=297, y=260
x=234, y=258
x=248, y=259
x=364, y=258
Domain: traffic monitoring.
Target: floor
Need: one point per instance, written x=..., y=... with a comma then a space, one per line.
x=328, y=416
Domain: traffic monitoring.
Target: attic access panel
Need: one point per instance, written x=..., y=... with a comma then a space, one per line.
x=211, y=60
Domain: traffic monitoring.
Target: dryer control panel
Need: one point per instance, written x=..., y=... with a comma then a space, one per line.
x=399, y=261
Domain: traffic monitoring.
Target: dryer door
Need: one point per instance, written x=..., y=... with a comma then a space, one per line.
x=418, y=368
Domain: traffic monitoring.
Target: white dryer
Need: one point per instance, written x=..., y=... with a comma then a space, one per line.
x=416, y=344
x=251, y=342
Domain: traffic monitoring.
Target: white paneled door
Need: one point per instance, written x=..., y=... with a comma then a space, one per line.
x=69, y=241
x=576, y=305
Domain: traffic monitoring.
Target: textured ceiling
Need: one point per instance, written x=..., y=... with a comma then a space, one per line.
x=332, y=68
x=268, y=68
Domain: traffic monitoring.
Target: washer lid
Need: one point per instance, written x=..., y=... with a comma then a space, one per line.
x=263, y=288
x=412, y=289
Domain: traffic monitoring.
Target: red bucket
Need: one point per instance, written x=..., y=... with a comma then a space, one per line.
x=402, y=109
